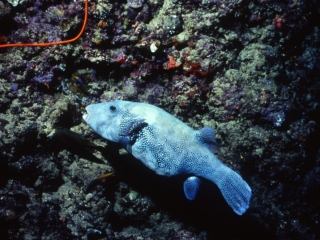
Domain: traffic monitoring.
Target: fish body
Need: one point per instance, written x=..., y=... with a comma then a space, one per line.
x=168, y=146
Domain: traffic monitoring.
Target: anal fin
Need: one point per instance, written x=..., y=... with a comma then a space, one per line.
x=191, y=187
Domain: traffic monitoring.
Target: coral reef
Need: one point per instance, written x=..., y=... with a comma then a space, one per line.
x=249, y=69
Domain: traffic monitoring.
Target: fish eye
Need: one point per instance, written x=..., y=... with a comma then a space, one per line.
x=113, y=108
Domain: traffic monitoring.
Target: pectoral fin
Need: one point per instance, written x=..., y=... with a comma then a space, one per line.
x=191, y=187
x=130, y=130
x=132, y=126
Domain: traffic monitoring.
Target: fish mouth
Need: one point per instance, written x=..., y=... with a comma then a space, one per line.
x=86, y=113
x=85, y=116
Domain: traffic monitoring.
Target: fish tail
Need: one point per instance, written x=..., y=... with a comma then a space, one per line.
x=234, y=189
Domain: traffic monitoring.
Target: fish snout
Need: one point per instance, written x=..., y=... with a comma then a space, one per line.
x=86, y=113
x=84, y=116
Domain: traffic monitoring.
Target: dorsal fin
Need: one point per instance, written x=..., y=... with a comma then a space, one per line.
x=206, y=135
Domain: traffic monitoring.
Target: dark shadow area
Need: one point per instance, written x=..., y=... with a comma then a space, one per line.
x=4, y=174
x=73, y=142
x=209, y=211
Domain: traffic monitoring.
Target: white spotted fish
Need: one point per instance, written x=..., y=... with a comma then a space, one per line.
x=169, y=147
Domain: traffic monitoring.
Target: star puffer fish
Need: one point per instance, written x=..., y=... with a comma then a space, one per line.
x=169, y=147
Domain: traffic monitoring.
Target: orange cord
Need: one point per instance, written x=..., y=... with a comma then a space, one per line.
x=294, y=3
x=52, y=43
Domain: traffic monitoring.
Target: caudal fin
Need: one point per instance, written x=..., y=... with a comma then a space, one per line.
x=235, y=190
